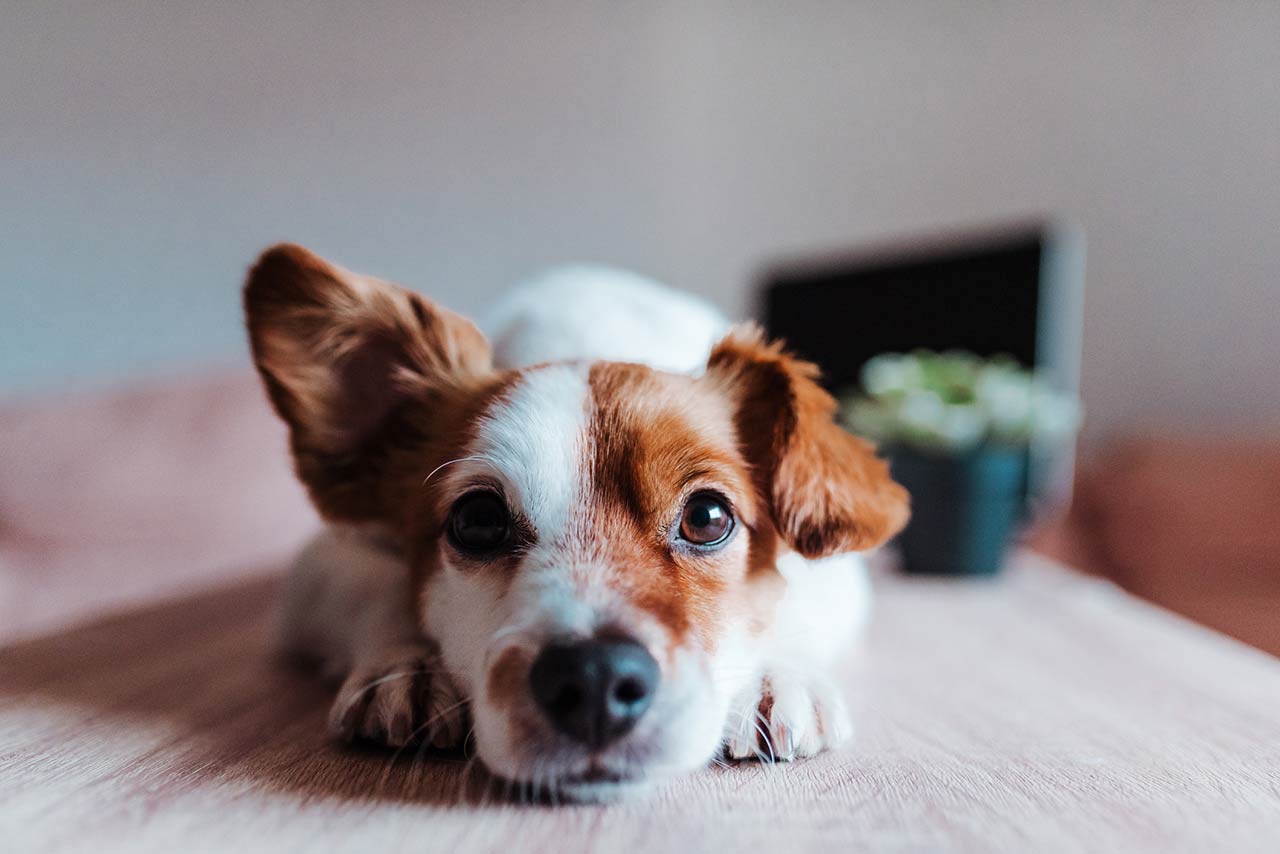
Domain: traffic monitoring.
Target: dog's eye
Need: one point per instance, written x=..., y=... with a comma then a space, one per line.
x=706, y=520
x=480, y=523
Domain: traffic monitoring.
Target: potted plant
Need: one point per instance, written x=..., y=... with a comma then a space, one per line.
x=958, y=430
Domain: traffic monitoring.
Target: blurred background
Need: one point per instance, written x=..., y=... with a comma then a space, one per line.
x=149, y=150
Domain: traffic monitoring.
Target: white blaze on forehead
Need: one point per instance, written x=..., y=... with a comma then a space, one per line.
x=533, y=442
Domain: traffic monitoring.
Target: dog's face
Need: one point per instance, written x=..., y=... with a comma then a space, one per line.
x=592, y=545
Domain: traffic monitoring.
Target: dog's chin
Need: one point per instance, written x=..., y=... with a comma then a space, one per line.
x=590, y=782
x=594, y=787
x=603, y=791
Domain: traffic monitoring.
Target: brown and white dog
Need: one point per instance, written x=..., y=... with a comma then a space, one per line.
x=615, y=572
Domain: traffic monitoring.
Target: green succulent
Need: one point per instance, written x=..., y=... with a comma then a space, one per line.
x=956, y=401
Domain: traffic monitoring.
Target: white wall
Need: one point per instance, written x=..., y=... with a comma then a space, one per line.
x=146, y=153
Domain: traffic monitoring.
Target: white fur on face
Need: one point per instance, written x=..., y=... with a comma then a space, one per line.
x=531, y=444
x=535, y=445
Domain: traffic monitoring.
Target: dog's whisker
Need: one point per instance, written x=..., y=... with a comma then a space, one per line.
x=413, y=737
x=400, y=674
x=447, y=463
x=381, y=680
x=762, y=726
x=762, y=735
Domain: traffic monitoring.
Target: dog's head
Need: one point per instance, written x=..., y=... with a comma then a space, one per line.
x=592, y=545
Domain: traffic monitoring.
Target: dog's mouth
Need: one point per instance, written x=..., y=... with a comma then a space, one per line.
x=596, y=774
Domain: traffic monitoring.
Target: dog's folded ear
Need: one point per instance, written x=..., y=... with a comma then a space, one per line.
x=826, y=489
x=339, y=354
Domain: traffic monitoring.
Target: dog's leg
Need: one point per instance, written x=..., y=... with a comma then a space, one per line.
x=348, y=607
x=795, y=709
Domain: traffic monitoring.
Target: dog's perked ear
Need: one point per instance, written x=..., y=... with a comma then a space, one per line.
x=340, y=354
x=827, y=490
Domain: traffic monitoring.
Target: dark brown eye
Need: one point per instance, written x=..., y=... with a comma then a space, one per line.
x=706, y=520
x=480, y=523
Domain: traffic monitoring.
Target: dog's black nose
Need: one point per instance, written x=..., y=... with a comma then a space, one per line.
x=594, y=691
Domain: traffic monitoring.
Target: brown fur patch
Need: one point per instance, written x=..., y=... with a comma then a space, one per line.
x=344, y=358
x=507, y=682
x=655, y=440
x=827, y=490
x=413, y=487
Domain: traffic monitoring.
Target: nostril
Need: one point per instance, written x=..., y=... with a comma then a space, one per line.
x=630, y=691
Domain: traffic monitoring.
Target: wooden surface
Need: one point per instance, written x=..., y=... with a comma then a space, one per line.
x=1045, y=712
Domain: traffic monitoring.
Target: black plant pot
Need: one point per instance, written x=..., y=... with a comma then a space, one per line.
x=964, y=508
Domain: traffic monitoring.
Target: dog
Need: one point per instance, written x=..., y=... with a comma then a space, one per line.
x=622, y=548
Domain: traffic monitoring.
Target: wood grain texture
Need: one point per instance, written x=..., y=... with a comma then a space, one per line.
x=1044, y=712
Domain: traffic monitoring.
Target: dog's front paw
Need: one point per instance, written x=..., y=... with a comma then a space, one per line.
x=786, y=718
x=399, y=696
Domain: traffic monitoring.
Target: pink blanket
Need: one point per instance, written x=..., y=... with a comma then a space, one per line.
x=140, y=495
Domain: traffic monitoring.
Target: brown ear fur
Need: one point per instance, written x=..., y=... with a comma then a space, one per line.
x=340, y=354
x=828, y=491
